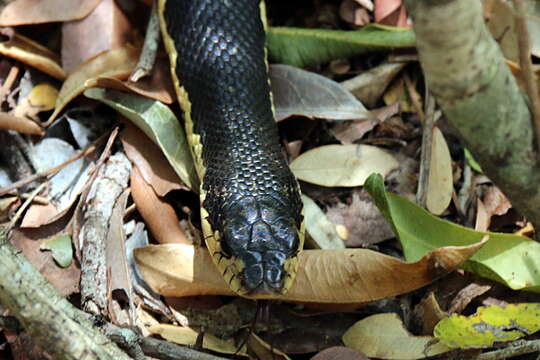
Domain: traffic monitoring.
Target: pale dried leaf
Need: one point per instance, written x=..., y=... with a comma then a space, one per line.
x=440, y=183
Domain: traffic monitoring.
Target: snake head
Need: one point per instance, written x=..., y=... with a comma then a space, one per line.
x=261, y=237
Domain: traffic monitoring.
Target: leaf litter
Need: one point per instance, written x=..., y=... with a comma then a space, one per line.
x=353, y=131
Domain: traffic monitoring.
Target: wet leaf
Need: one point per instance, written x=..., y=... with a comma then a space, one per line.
x=61, y=249
x=440, y=184
x=299, y=92
x=338, y=276
x=342, y=165
x=118, y=63
x=489, y=325
x=383, y=336
x=158, y=122
x=309, y=47
x=506, y=258
x=321, y=230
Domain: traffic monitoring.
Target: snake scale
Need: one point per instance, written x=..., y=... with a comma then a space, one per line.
x=251, y=210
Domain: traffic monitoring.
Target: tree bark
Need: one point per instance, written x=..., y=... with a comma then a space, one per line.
x=466, y=72
x=53, y=323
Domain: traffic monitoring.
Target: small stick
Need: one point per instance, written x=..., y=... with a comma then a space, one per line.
x=86, y=151
x=526, y=66
x=25, y=205
x=425, y=155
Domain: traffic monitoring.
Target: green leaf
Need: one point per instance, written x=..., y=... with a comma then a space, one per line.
x=472, y=162
x=158, y=122
x=506, y=258
x=488, y=325
x=308, y=47
x=62, y=251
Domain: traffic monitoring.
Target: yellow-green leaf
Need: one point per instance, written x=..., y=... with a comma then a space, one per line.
x=488, y=325
x=62, y=251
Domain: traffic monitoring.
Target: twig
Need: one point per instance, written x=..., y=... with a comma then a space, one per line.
x=151, y=42
x=515, y=348
x=526, y=66
x=8, y=83
x=86, y=151
x=425, y=155
x=25, y=205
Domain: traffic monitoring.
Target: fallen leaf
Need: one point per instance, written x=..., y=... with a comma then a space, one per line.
x=31, y=53
x=383, y=336
x=337, y=276
x=114, y=32
x=159, y=215
x=19, y=124
x=506, y=258
x=159, y=123
x=300, y=92
x=117, y=62
x=440, y=183
x=310, y=47
x=186, y=336
x=25, y=12
x=342, y=165
x=61, y=249
x=149, y=159
x=339, y=353
x=321, y=230
x=42, y=97
x=489, y=325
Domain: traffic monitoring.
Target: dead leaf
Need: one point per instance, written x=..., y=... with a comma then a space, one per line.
x=19, y=124
x=42, y=97
x=339, y=353
x=338, y=276
x=364, y=223
x=25, y=12
x=495, y=201
x=31, y=53
x=429, y=313
x=342, y=165
x=300, y=92
x=322, y=232
x=152, y=164
x=117, y=63
x=384, y=336
x=114, y=32
x=440, y=184
x=158, y=214
x=157, y=86
x=466, y=295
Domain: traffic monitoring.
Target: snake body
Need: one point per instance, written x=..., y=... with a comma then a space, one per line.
x=251, y=211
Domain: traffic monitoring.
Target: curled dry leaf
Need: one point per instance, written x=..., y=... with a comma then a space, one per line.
x=116, y=63
x=342, y=165
x=31, y=53
x=157, y=86
x=158, y=214
x=384, y=336
x=25, y=12
x=19, y=124
x=337, y=276
x=440, y=184
x=300, y=92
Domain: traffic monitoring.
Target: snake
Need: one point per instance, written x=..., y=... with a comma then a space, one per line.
x=251, y=209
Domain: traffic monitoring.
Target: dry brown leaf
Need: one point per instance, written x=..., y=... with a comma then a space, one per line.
x=149, y=159
x=114, y=31
x=19, y=124
x=157, y=86
x=429, y=313
x=158, y=214
x=31, y=53
x=65, y=280
x=337, y=276
x=263, y=350
x=364, y=223
x=25, y=12
x=187, y=336
x=440, y=183
x=483, y=219
x=113, y=63
x=495, y=201
x=339, y=353
x=466, y=295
